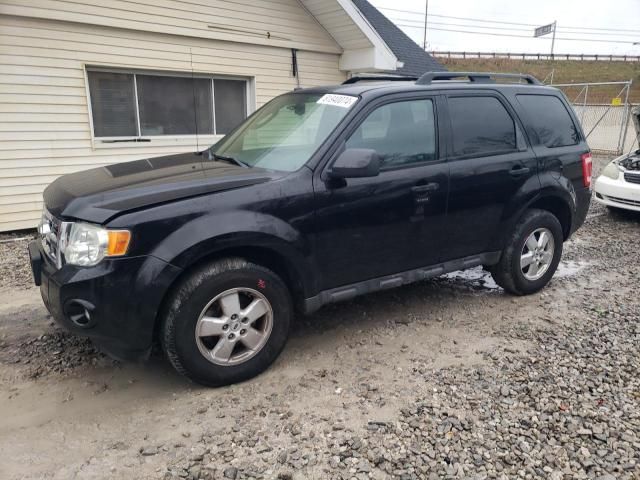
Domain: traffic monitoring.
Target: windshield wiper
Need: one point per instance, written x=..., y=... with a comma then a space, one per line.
x=235, y=161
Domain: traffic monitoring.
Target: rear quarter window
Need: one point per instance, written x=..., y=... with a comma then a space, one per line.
x=549, y=120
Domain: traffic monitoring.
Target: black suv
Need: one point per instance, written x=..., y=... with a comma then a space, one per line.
x=320, y=195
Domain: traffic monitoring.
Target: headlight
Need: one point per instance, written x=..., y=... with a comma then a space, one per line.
x=88, y=244
x=612, y=171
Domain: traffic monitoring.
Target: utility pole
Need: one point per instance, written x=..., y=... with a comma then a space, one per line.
x=553, y=39
x=426, y=14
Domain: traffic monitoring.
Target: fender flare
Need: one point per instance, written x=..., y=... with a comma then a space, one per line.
x=209, y=236
x=548, y=195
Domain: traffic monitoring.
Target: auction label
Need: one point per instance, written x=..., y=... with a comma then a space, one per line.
x=344, y=101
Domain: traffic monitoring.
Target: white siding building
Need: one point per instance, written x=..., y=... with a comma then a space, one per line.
x=86, y=83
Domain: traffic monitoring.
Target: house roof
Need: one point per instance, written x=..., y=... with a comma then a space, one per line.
x=414, y=59
x=370, y=42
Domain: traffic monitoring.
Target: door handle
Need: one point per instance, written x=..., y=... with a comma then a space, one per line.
x=429, y=187
x=519, y=171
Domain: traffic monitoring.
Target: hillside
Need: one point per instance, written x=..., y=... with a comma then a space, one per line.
x=572, y=71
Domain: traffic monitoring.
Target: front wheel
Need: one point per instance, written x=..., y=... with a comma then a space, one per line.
x=226, y=322
x=531, y=255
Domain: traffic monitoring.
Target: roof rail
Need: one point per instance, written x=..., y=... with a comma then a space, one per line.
x=477, y=77
x=378, y=78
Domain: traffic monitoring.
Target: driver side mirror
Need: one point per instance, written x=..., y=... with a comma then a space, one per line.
x=356, y=163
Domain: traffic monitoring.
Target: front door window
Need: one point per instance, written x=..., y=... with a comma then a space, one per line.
x=402, y=133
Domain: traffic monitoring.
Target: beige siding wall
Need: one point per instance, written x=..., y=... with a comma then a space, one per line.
x=44, y=116
x=283, y=23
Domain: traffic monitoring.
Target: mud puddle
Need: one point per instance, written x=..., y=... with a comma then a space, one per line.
x=480, y=280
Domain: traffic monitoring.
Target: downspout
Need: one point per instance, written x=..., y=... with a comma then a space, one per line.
x=294, y=66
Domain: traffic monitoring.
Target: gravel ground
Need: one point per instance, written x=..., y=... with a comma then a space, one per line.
x=449, y=378
x=14, y=259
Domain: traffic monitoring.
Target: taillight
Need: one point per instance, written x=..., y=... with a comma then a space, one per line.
x=587, y=169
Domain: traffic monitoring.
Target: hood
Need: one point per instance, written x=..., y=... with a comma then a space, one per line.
x=99, y=194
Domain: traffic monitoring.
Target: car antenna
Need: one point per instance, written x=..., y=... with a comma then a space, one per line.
x=195, y=111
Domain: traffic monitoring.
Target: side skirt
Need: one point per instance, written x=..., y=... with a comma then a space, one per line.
x=346, y=292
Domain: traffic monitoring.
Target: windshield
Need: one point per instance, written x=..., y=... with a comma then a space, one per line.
x=284, y=133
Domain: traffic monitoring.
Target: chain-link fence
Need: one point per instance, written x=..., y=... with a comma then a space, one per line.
x=605, y=114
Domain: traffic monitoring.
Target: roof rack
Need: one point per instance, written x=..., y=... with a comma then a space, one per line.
x=474, y=77
x=374, y=78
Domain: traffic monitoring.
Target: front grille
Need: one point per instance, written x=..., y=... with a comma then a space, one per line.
x=632, y=177
x=634, y=203
x=51, y=234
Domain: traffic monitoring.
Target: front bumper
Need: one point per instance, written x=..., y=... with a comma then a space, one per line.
x=618, y=193
x=115, y=303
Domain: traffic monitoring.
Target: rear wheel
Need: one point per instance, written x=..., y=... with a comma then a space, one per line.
x=226, y=322
x=532, y=254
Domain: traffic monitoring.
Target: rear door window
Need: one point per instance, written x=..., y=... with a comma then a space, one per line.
x=549, y=120
x=481, y=126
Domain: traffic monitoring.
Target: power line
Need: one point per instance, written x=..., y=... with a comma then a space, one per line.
x=460, y=18
x=518, y=36
x=567, y=30
x=467, y=31
x=463, y=25
x=507, y=23
x=560, y=29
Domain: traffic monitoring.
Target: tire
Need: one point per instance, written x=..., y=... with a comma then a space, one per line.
x=518, y=280
x=192, y=305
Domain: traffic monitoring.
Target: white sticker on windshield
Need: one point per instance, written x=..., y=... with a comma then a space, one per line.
x=344, y=101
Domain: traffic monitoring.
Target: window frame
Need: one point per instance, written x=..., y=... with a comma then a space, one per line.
x=520, y=133
x=386, y=100
x=250, y=104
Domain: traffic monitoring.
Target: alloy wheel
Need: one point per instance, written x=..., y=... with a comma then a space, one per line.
x=537, y=254
x=234, y=326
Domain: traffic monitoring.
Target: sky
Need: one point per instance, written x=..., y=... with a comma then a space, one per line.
x=616, y=21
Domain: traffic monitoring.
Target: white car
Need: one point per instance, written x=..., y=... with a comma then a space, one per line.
x=619, y=184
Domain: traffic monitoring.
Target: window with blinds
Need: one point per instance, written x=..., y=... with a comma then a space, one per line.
x=112, y=104
x=144, y=105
